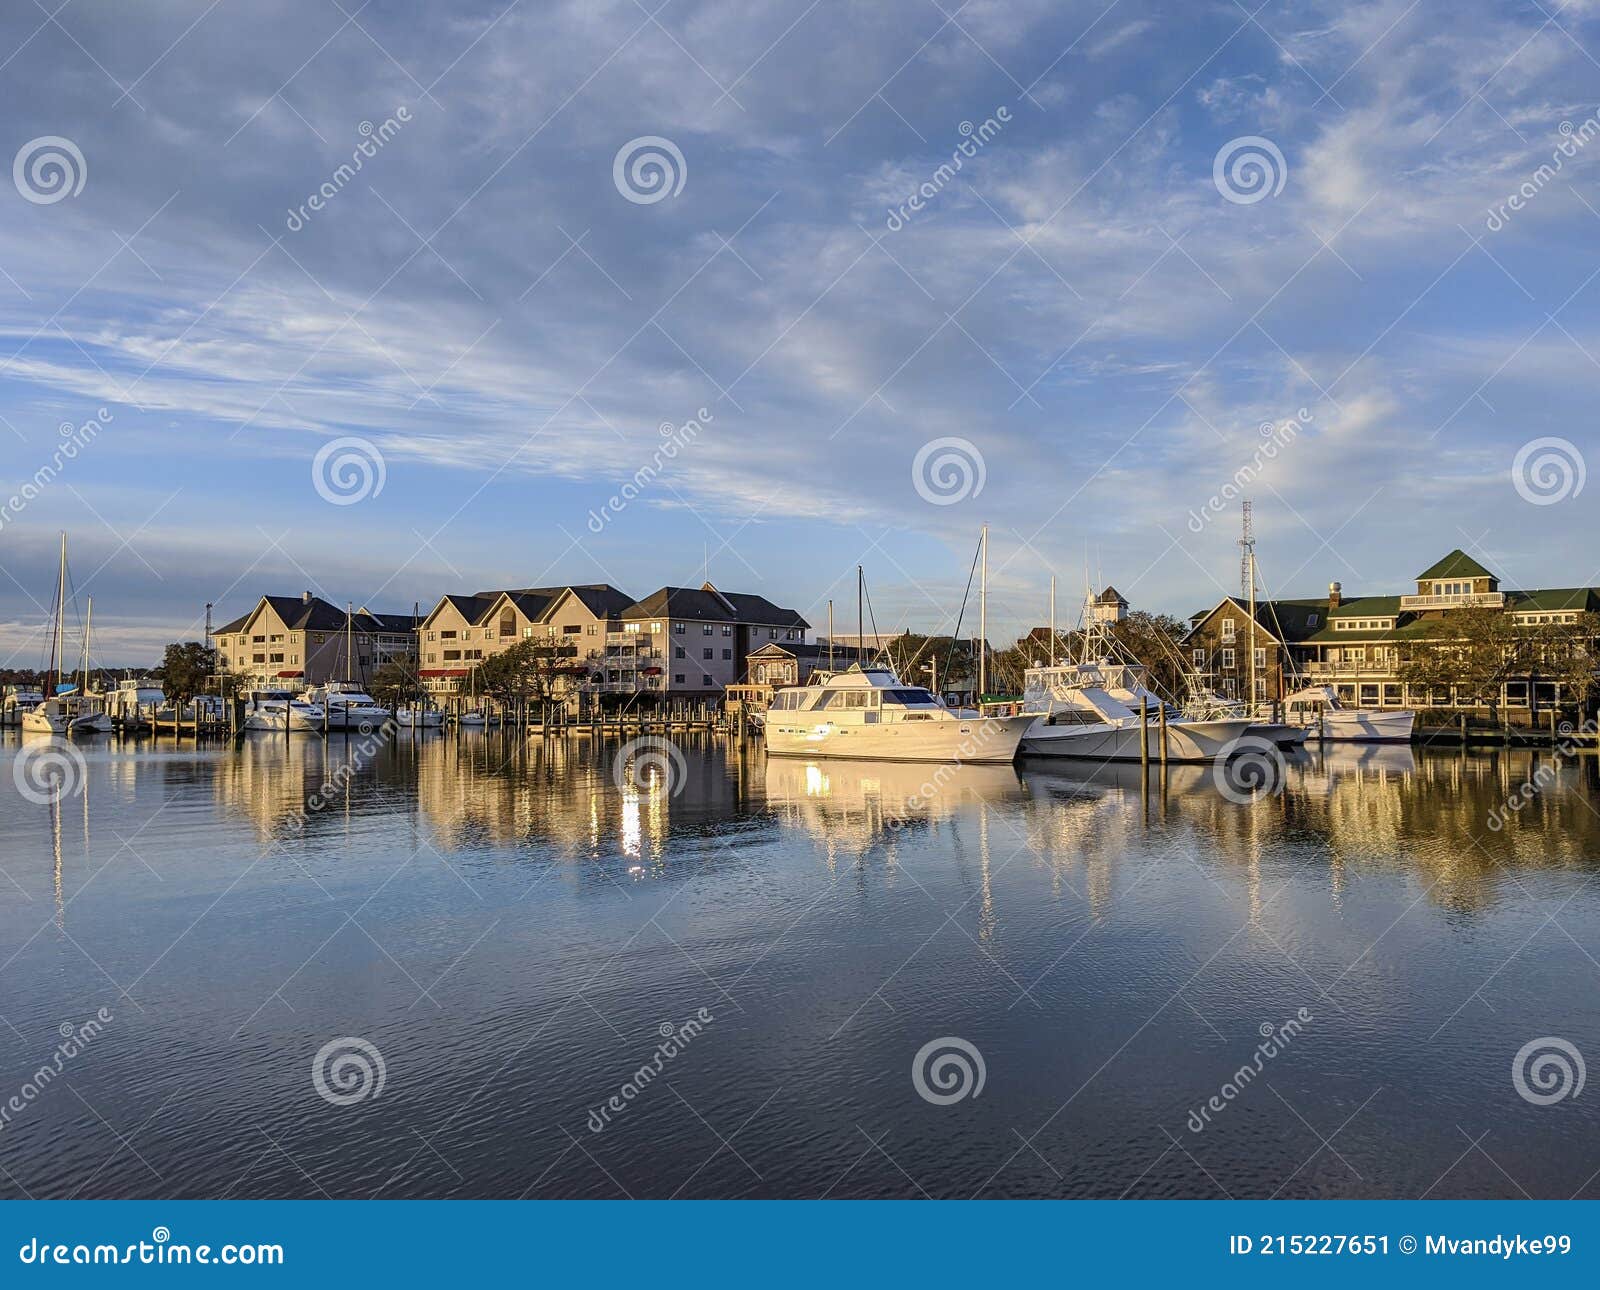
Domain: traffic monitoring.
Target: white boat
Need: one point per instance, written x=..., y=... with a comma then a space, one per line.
x=1320, y=712
x=419, y=718
x=67, y=710
x=1205, y=706
x=133, y=702
x=1088, y=710
x=347, y=706
x=280, y=711
x=47, y=718
x=475, y=718
x=17, y=701
x=868, y=712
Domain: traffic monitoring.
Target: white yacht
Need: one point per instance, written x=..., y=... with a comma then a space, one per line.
x=133, y=702
x=419, y=718
x=868, y=712
x=347, y=706
x=1092, y=710
x=280, y=711
x=1205, y=706
x=18, y=700
x=1319, y=710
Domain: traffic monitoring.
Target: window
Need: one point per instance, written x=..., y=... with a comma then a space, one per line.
x=707, y=630
x=452, y=655
x=1199, y=656
x=446, y=636
x=258, y=640
x=258, y=658
x=1391, y=695
x=589, y=629
x=727, y=629
x=1261, y=688
x=677, y=678
x=1369, y=696
x=1261, y=658
x=680, y=629
x=727, y=655
x=705, y=680
x=275, y=658
x=707, y=653
x=433, y=636
x=907, y=696
x=1311, y=620
x=631, y=627
x=572, y=629
x=772, y=633
x=1227, y=657
x=678, y=652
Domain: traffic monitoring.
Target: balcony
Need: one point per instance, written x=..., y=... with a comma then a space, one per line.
x=1469, y=600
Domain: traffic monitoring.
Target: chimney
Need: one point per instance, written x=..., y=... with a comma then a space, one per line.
x=305, y=597
x=1333, y=596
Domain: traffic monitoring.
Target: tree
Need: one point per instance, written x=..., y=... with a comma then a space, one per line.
x=393, y=685
x=911, y=654
x=1153, y=640
x=529, y=671
x=1477, y=651
x=186, y=667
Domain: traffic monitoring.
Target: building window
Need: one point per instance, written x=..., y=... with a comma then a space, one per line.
x=677, y=678
x=727, y=629
x=727, y=655
x=706, y=653
x=705, y=681
x=1227, y=657
x=1199, y=656
x=679, y=628
x=678, y=652
x=707, y=630
x=1311, y=620
x=572, y=629
x=1227, y=629
x=1261, y=658
x=589, y=629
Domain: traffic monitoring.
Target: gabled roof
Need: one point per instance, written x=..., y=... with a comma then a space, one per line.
x=1582, y=599
x=1111, y=596
x=843, y=655
x=1458, y=564
x=1285, y=621
x=313, y=613
x=707, y=604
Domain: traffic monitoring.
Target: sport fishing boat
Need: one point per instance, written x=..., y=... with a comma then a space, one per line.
x=1319, y=711
x=280, y=711
x=869, y=712
x=1089, y=710
x=133, y=702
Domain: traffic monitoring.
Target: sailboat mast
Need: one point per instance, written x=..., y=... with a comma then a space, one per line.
x=1052, y=620
x=56, y=642
x=983, y=619
x=830, y=636
x=88, y=624
x=861, y=631
x=349, y=641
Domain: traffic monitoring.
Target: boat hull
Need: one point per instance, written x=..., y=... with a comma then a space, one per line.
x=39, y=722
x=1366, y=726
x=1281, y=735
x=1187, y=741
x=976, y=740
x=91, y=723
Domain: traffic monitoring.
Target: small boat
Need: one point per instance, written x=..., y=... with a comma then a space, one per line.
x=67, y=710
x=17, y=701
x=419, y=718
x=476, y=718
x=870, y=713
x=280, y=711
x=1319, y=711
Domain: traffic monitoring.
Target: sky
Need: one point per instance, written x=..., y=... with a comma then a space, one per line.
x=821, y=283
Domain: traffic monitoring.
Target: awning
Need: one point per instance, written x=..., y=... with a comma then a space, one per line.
x=443, y=671
x=283, y=674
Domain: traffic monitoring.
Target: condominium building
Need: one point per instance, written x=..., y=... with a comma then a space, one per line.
x=694, y=642
x=305, y=640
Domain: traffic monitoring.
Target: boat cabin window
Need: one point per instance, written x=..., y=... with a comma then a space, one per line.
x=910, y=698
x=857, y=699
x=787, y=700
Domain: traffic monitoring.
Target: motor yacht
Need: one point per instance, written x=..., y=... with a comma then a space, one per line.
x=869, y=712
x=281, y=711
x=132, y=704
x=1319, y=711
x=347, y=706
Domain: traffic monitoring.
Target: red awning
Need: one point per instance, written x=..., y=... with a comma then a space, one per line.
x=443, y=671
x=282, y=674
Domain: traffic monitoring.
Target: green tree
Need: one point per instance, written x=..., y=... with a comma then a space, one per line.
x=394, y=685
x=529, y=671
x=1477, y=651
x=186, y=668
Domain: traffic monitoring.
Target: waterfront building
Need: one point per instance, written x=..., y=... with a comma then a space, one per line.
x=462, y=630
x=1365, y=646
x=293, y=641
x=694, y=642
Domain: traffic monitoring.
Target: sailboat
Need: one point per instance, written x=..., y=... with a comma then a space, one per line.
x=345, y=705
x=88, y=713
x=867, y=711
x=64, y=708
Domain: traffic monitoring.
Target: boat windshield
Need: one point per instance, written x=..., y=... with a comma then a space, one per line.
x=910, y=698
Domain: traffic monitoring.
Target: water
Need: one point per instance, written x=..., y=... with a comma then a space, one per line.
x=509, y=930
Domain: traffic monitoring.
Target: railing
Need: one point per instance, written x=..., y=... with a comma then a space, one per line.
x=1469, y=600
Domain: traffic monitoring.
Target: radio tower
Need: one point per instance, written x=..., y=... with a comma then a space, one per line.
x=1247, y=552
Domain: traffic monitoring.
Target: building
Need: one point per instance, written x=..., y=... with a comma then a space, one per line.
x=1108, y=607
x=778, y=664
x=463, y=630
x=694, y=642
x=1359, y=644
x=293, y=641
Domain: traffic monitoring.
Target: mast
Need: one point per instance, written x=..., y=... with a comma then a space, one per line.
x=1247, y=575
x=349, y=641
x=88, y=623
x=861, y=631
x=983, y=621
x=830, y=636
x=1052, y=620
x=57, y=644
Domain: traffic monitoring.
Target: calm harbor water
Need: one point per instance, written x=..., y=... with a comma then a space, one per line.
x=507, y=930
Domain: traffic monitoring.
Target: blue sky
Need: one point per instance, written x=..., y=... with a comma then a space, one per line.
x=1081, y=302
